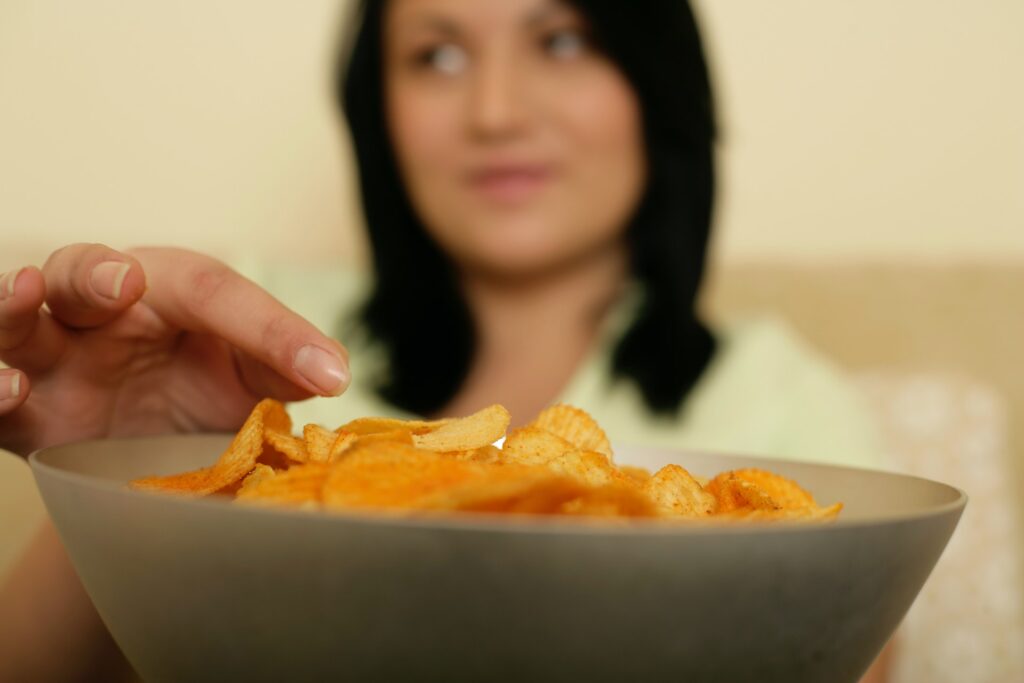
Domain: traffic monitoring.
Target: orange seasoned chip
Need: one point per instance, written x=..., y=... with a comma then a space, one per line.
x=375, y=425
x=385, y=474
x=402, y=436
x=677, y=494
x=325, y=445
x=575, y=426
x=637, y=474
x=733, y=493
x=533, y=446
x=480, y=429
x=511, y=489
x=298, y=484
x=785, y=492
x=259, y=474
x=488, y=454
x=234, y=464
x=291, y=447
x=590, y=467
x=341, y=444
x=613, y=500
x=560, y=464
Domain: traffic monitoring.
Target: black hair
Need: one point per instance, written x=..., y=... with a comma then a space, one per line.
x=416, y=309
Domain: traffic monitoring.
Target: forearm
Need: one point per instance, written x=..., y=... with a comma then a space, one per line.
x=49, y=629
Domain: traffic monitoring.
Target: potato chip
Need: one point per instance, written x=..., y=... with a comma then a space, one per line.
x=677, y=494
x=575, y=426
x=259, y=473
x=235, y=463
x=613, y=500
x=299, y=484
x=376, y=425
x=590, y=467
x=341, y=444
x=384, y=475
x=488, y=454
x=638, y=474
x=475, y=431
x=325, y=445
x=560, y=464
x=785, y=492
x=533, y=446
x=402, y=436
x=733, y=493
x=291, y=447
x=514, y=489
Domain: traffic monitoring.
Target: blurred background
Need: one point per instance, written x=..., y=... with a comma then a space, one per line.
x=872, y=175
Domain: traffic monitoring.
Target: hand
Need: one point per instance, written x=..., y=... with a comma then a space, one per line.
x=147, y=342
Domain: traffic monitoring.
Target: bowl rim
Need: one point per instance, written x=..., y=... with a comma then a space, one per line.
x=504, y=523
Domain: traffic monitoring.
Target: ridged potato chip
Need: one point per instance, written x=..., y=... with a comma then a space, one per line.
x=383, y=475
x=488, y=454
x=733, y=493
x=291, y=447
x=676, y=493
x=325, y=445
x=508, y=489
x=590, y=467
x=785, y=492
x=534, y=446
x=560, y=464
x=298, y=484
x=475, y=431
x=376, y=425
x=575, y=426
x=612, y=500
x=259, y=474
x=234, y=464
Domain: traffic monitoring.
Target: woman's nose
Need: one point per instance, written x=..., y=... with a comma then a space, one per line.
x=498, y=103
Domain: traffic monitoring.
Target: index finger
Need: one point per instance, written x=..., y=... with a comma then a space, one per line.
x=198, y=293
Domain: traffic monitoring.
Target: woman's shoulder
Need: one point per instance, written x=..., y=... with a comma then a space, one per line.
x=789, y=398
x=766, y=392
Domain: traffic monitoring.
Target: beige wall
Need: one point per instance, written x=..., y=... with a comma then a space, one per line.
x=850, y=130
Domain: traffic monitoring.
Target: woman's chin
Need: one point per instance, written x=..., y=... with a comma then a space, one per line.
x=518, y=265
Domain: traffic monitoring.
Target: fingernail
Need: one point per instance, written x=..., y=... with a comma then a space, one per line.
x=14, y=387
x=7, y=283
x=323, y=369
x=107, y=278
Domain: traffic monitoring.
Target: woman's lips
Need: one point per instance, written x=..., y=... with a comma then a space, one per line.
x=511, y=183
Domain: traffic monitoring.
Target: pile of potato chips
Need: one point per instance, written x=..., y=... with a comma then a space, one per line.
x=559, y=464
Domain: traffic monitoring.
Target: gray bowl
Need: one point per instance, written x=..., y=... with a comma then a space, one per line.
x=208, y=590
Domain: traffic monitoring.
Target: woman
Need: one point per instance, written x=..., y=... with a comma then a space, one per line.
x=537, y=180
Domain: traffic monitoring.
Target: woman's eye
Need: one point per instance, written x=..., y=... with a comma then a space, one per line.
x=446, y=59
x=565, y=44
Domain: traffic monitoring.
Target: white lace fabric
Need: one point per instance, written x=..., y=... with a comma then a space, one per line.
x=967, y=625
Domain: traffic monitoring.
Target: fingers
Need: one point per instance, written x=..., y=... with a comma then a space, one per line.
x=13, y=389
x=198, y=293
x=262, y=380
x=29, y=337
x=88, y=285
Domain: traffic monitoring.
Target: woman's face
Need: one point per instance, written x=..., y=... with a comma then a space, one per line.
x=520, y=145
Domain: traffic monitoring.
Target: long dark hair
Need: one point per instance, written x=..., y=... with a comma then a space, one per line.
x=416, y=309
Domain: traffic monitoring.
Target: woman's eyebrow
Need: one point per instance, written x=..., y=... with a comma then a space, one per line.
x=545, y=12
x=433, y=23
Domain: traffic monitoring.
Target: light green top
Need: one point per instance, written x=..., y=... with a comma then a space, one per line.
x=765, y=392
